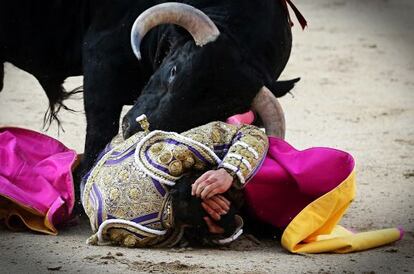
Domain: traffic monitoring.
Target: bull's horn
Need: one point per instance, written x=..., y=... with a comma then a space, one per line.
x=197, y=23
x=270, y=110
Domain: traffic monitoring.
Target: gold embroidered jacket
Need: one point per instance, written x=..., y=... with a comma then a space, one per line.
x=126, y=194
x=240, y=148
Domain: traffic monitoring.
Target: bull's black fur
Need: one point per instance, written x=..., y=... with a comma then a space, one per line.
x=177, y=84
x=280, y=88
x=188, y=211
x=43, y=38
x=56, y=94
x=1, y=75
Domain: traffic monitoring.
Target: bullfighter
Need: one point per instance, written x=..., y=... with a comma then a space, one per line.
x=304, y=193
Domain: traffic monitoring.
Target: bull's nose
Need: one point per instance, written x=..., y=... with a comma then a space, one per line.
x=126, y=128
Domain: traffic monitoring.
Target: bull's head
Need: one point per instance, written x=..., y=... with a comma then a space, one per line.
x=198, y=81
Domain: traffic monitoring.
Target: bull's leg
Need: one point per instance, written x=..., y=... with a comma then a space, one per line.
x=102, y=108
x=111, y=80
x=102, y=125
x=108, y=85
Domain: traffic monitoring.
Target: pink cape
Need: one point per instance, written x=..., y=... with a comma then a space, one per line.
x=35, y=180
x=289, y=180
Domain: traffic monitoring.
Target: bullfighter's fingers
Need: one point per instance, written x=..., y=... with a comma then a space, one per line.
x=197, y=182
x=218, y=206
x=199, y=188
x=212, y=227
x=213, y=192
x=200, y=179
x=205, y=194
x=213, y=214
x=203, y=185
x=203, y=177
x=224, y=199
x=223, y=204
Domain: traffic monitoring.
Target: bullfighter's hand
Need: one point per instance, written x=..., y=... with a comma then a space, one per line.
x=216, y=206
x=212, y=227
x=211, y=183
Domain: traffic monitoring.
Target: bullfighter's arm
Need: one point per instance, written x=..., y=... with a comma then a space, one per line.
x=242, y=148
x=244, y=157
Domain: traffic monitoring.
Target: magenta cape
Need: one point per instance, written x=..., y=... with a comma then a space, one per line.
x=289, y=180
x=36, y=185
x=306, y=193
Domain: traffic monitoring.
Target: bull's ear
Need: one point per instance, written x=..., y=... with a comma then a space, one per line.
x=280, y=88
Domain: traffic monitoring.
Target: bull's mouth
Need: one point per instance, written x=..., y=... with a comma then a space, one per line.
x=129, y=127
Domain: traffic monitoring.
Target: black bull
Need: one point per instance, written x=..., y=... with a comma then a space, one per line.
x=178, y=84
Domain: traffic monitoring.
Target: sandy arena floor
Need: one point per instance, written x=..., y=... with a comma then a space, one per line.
x=356, y=61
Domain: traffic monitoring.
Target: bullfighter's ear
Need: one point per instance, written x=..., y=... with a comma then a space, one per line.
x=280, y=88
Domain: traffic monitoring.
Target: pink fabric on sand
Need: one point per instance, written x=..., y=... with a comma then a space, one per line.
x=35, y=172
x=290, y=179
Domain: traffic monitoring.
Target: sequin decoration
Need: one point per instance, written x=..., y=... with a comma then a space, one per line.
x=129, y=184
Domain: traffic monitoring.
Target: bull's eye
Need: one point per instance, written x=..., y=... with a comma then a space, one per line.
x=173, y=72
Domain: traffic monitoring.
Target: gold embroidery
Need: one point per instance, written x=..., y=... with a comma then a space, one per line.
x=176, y=168
x=253, y=141
x=176, y=147
x=127, y=193
x=114, y=194
x=181, y=152
x=216, y=136
x=199, y=166
x=134, y=194
x=165, y=157
x=127, y=189
x=157, y=148
x=188, y=162
x=116, y=235
x=129, y=241
x=124, y=175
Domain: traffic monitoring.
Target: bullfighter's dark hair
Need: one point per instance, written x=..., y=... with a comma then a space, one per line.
x=189, y=212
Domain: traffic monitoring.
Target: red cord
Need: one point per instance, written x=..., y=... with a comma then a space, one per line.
x=299, y=16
